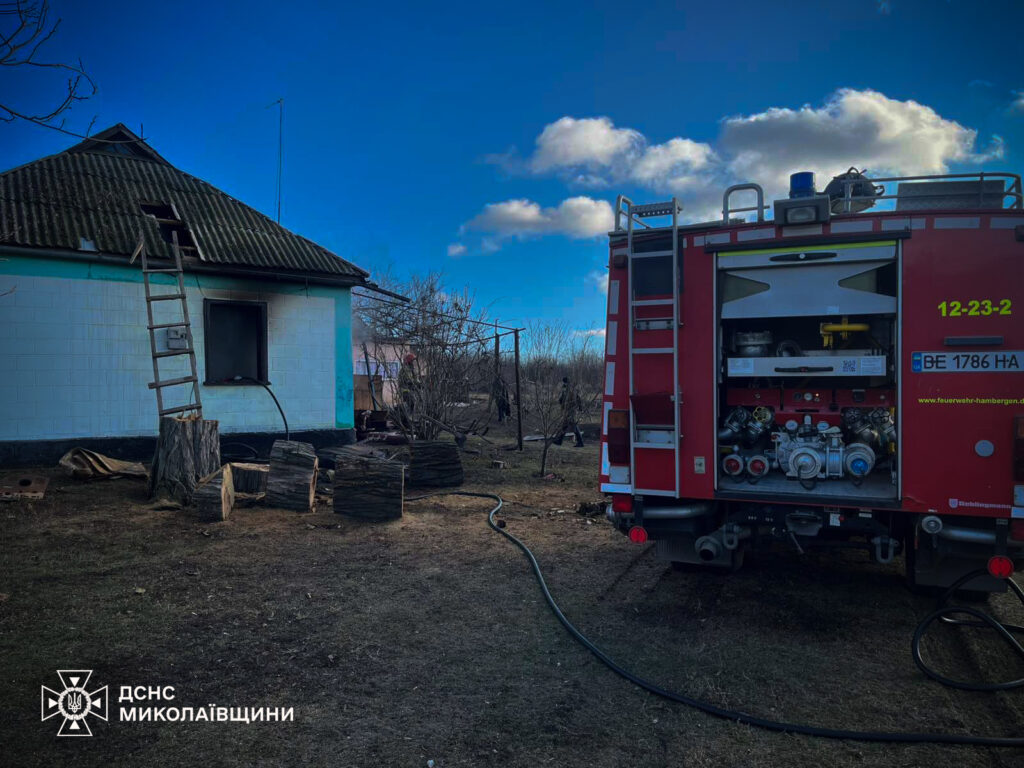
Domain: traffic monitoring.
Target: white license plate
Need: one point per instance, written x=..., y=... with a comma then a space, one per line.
x=1009, y=361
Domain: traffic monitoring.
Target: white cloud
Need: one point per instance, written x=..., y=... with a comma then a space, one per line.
x=866, y=129
x=598, y=278
x=591, y=332
x=862, y=128
x=577, y=217
x=676, y=159
x=590, y=142
x=592, y=152
x=456, y=249
x=1018, y=102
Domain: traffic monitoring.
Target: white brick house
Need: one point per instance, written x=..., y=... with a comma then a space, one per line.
x=74, y=348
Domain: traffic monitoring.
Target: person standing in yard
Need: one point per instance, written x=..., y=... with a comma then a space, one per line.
x=571, y=405
x=501, y=400
x=408, y=390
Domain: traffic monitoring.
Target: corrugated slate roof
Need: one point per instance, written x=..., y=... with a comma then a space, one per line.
x=94, y=190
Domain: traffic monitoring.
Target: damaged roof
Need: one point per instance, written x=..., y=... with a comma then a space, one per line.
x=89, y=198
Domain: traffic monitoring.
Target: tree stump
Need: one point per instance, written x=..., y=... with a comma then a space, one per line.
x=214, y=497
x=368, y=489
x=291, y=482
x=248, y=477
x=186, y=451
x=434, y=464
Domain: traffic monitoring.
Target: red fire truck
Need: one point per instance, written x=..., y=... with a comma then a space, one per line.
x=849, y=373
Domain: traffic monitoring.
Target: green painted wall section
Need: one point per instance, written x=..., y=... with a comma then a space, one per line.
x=344, y=395
x=19, y=264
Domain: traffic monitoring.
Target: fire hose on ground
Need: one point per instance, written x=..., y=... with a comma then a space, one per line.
x=944, y=613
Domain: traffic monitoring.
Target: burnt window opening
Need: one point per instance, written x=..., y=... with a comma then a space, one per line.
x=235, y=337
x=169, y=223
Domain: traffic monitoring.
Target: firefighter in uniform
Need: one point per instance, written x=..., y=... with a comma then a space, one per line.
x=408, y=390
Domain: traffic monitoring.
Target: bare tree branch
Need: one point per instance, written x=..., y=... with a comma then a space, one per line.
x=445, y=339
x=562, y=375
x=30, y=29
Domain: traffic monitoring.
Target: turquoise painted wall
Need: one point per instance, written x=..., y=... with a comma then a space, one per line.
x=344, y=390
x=75, y=360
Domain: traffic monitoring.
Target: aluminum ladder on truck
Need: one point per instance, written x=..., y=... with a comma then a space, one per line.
x=159, y=384
x=636, y=215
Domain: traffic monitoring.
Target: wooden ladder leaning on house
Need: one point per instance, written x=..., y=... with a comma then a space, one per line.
x=159, y=384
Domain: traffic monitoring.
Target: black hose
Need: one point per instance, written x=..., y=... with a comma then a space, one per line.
x=266, y=386
x=707, y=707
x=945, y=613
x=239, y=457
x=287, y=434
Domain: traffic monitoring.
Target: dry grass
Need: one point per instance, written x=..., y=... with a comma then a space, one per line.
x=427, y=638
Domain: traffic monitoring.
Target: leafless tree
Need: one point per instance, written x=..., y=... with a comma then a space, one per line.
x=26, y=27
x=558, y=386
x=433, y=348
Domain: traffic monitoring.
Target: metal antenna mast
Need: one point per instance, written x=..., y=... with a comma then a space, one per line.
x=280, y=149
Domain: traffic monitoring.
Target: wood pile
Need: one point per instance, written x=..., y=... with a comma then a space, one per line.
x=249, y=477
x=187, y=450
x=214, y=497
x=434, y=464
x=291, y=482
x=368, y=489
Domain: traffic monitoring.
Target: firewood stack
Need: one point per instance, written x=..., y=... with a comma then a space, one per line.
x=368, y=489
x=434, y=464
x=187, y=450
x=249, y=477
x=291, y=482
x=214, y=497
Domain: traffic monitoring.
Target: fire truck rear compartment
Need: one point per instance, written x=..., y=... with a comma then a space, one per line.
x=807, y=382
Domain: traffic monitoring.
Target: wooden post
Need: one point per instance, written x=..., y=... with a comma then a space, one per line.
x=369, y=379
x=519, y=398
x=187, y=450
x=434, y=464
x=368, y=489
x=493, y=389
x=214, y=497
x=291, y=483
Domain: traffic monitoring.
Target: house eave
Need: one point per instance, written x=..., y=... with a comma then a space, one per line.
x=225, y=270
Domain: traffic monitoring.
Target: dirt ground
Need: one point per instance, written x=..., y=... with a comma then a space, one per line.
x=427, y=638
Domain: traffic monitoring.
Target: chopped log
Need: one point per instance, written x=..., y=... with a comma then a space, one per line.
x=368, y=489
x=249, y=477
x=214, y=497
x=291, y=482
x=243, y=499
x=434, y=464
x=187, y=450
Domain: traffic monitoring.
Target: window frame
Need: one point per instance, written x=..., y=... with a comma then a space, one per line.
x=263, y=352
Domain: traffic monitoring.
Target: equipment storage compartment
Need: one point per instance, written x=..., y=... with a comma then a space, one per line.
x=807, y=376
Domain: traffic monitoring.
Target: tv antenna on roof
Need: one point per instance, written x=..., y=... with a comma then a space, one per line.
x=280, y=149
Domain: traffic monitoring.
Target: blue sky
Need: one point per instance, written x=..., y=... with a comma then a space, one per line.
x=404, y=121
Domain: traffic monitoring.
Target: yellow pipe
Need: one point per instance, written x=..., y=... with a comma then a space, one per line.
x=844, y=327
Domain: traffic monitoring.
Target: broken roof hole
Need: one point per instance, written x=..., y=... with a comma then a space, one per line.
x=169, y=223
